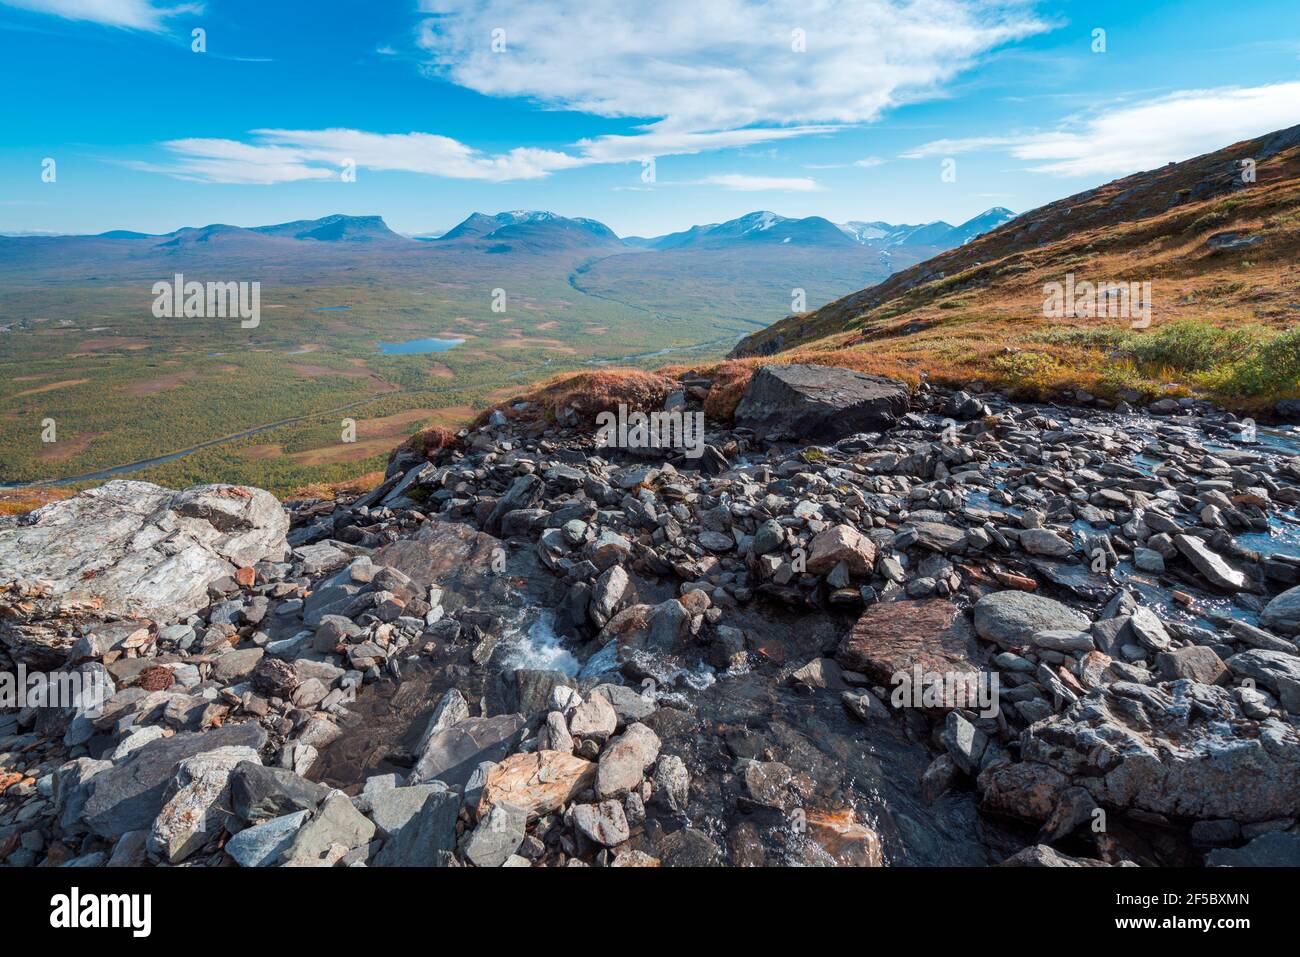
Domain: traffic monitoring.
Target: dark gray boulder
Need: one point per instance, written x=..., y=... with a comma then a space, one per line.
x=129, y=796
x=1153, y=749
x=452, y=754
x=822, y=403
x=259, y=793
x=1282, y=614
x=1275, y=849
x=428, y=838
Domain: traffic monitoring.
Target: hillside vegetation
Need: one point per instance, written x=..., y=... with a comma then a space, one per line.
x=1220, y=251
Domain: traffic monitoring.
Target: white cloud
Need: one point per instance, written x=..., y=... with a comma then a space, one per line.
x=867, y=162
x=280, y=156
x=722, y=67
x=132, y=14
x=417, y=153
x=1128, y=138
x=751, y=184
x=702, y=77
x=661, y=142
x=971, y=144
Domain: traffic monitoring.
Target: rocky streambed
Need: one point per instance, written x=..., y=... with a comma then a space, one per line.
x=863, y=627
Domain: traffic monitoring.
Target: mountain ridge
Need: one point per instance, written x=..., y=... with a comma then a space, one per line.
x=1210, y=239
x=533, y=225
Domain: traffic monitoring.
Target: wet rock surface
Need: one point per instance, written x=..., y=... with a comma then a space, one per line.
x=868, y=628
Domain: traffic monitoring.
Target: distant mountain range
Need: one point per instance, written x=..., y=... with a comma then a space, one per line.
x=747, y=269
x=768, y=227
x=541, y=231
x=530, y=227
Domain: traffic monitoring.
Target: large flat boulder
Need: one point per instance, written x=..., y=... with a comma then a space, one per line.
x=822, y=403
x=129, y=796
x=451, y=754
x=136, y=550
x=452, y=555
x=1010, y=619
x=895, y=638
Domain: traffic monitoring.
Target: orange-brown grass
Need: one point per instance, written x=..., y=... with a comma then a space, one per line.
x=589, y=393
x=19, y=500
x=49, y=387
x=975, y=314
x=333, y=490
x=428, y=442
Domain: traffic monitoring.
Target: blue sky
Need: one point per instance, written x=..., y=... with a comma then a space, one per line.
x=147, y=134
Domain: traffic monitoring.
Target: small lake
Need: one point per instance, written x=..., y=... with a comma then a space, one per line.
x=334, y=309
x=414, y=346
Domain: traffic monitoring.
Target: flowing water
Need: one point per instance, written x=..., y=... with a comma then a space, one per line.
x=716, y=721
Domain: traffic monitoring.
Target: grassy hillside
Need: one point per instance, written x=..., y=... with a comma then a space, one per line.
x=1221, y=254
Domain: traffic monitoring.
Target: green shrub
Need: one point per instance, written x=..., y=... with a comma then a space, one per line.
x=1190, y=346
x=1025, y=367
x=1273, y=367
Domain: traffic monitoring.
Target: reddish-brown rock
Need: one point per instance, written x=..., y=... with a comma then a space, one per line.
x=844, y=841
x=537, y=783
x=892, y=637
x=842, y=543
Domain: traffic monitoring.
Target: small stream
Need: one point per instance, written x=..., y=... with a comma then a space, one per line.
x=717, y=721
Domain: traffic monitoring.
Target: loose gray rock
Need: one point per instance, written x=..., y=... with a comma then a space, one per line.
x=264, y=844
x=624, y=761
x=197, y=806
x=428, y=839
x=337, y=822
x=497, y=836
x=604, y=823
x=392, y=808
x=259, y=793
x=129, y=796
x=1010, y=619
x=1209, y=563
x=672, y=784
x=1266, y=667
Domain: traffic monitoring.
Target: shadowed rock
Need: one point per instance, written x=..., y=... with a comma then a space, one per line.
x=821, y=403
x=452, y=754
x=129, y=796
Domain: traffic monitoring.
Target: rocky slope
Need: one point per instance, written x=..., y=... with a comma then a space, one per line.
x=524, y=650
